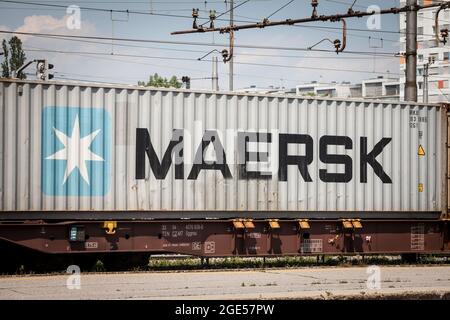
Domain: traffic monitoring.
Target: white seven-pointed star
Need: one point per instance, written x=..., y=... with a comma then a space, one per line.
x=76, y=151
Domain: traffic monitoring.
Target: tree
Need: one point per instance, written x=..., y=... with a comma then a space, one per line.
x=14, y=57
x=5, y=64
x=158, y=81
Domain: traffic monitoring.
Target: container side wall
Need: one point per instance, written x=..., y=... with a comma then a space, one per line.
x=319, y=155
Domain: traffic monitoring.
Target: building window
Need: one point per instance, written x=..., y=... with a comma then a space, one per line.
x=374, y=90
x=392, y=90
x=446, y=56
x=434, y=71
x=445, y=70
x=420, y=31
x=434, y=57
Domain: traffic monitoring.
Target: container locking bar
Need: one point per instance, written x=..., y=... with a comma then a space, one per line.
x=248, y=223
x=243, y=223
x=238, y=224
x=351, y=223
x=273, y=223
x=303, y=224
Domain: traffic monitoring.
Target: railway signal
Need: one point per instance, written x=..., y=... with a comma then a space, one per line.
x=42, y=68
x=187, y=81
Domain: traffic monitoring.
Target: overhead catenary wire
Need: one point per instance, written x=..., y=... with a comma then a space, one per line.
x=182, y=16
x=192, y=59
x=127, y=45
x=126, y=11
x=146, y=2
x=326, y=28
x=386, y=55
x=322, y=18
x=281, y=8
x=248, y=46
x=108, y=57
x=363, y=7
x=229, y=10
x=241, y=21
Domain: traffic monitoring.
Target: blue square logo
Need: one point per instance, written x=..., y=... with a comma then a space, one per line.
x=76, y=148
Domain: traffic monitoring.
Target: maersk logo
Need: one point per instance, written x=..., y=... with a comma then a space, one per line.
x=75, y=151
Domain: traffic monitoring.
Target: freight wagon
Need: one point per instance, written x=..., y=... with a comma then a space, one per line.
x=89, y=168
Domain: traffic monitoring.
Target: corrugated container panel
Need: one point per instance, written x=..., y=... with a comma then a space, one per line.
x=43, y=169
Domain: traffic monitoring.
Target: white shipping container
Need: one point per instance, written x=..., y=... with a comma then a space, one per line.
x=77, y=147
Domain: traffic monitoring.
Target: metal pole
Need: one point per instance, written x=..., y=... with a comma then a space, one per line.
x=16, y=73
x=425, y=82
x=214, y=76
x=411, y=52
x=231, y=60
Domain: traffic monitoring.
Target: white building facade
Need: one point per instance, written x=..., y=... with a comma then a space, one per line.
x=428, y=47
x=380, y=88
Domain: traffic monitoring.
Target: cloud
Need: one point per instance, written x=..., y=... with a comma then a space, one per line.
x=41, y=23
x=37, y=47
x=50, y=24
x=126, y=69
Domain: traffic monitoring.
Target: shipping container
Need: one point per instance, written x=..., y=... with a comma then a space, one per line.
x=72, y=147
x=96, y=168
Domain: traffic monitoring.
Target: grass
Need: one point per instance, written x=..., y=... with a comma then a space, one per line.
x=98, y=266
x=194, y=263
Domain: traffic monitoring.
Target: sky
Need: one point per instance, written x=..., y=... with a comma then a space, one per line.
x=129, y=62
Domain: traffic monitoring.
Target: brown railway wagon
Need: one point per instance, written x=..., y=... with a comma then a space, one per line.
x=88, y=168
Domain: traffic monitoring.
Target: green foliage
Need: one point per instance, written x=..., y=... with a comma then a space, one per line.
x=98, y=266
x=14, y=57
x=158, y=81
x=5, y=64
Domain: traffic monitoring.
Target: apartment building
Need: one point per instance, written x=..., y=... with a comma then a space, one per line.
x=428, y=49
